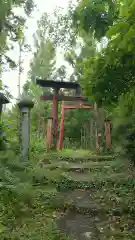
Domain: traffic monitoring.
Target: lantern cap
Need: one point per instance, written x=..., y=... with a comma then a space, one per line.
x=49, y=118
x=25, y=102
x=3, y=99
x=107, y=120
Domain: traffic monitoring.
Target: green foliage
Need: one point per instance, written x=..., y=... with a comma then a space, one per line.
x=95, y=16
x=111, y=72
x=29, y=190
x=21, y=206
x=37, y=144
x=57, y=27
x=112, y=80
x=87, y=49
x=124, y=128
x=43, y=63
x=11, y=25
x=108, y=76
x=77, y=117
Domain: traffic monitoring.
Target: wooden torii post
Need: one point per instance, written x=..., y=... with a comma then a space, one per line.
x=56, y=97
x=108, y=134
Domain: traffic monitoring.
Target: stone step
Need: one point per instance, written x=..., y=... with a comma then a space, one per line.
x=92, y=177
x=87, y=158
x=79, y=201
x=86, y=167
x=90, y=181
x=76, y=166
x=77, y=158
x=78, y=226
x=86, y=227
x=104, y=223
x=86, y=202
x=62, y=179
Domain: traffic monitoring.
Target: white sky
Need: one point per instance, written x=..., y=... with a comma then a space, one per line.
x=11, y=78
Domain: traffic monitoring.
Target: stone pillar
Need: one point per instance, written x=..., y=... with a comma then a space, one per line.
x=25, y=106
x=0, y=110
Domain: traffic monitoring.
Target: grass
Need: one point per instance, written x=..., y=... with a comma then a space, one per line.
x=32, y=195
x=24, y=211
x=73, y=156
x=113, y=198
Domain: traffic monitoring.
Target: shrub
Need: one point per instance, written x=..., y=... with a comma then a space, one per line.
x=124, y=126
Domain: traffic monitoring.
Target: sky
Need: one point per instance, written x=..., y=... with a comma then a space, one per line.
x=10, y=78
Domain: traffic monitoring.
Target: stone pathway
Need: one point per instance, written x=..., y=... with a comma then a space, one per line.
x=80, y=213
x=87, y=207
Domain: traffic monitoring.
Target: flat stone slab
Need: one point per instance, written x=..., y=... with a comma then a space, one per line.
x=78, y=226
x=78, y=199
x=80, y=177
x=88, y=177
x=68, y=166
x=80, y=167
x=77, y=158
x=86, y=227
x=80, y=159
x=53, y=165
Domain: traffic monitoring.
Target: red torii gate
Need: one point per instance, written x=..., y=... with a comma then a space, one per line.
x=79, y=105
x=55, y=97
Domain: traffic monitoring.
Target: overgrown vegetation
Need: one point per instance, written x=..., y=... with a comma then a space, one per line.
x=96, y=41
x=108, y=77
x=34, y=195
x=25, y=213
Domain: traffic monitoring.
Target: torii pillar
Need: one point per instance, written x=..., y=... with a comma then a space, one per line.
x=55, y=118
x=108, y=134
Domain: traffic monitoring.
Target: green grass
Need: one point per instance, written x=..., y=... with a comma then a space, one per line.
x=24, y=209
x=72, y=156
x=31, y=194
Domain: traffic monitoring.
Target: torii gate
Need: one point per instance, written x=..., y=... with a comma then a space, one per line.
x=79, y=105
x=80, y=100
x=56, y=97
x=86, y=106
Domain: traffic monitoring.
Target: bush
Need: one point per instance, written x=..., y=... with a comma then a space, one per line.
x=124, y=126
x=37, y=144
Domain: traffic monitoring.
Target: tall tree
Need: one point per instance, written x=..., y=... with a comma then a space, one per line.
x=11, y=26
x=57, y=27
x=84, y=49
x=42, y=66
x=95, y=16
x=43, y=63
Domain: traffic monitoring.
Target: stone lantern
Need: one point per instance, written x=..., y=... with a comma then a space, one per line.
x=25, y=105
x=3, y=100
